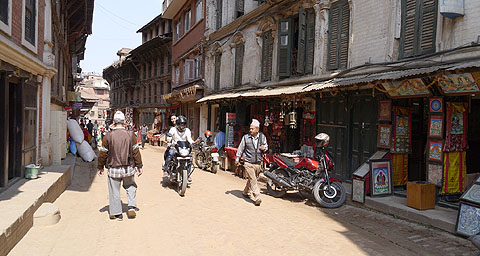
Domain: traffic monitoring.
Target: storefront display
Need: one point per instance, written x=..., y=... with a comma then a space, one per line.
x=402, y=130
x=407, y=88
x=400, y=169
x=435, y=152
x=468, y=220
x=456, y=132
x=384, y=139
x=381, y=177
x=454, y=173
x=435, y=126
x=358, y=188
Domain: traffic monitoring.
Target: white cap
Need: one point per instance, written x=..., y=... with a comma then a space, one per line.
x=119, y=117
x=255, y=122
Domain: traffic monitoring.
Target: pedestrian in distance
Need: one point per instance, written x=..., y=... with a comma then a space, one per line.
x=143, y=132
x=90, y=127
x=120, y=154
x=251, y=148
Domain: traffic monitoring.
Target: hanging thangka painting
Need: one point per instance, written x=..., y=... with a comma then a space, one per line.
x=459, y=84
x=456, y=122
x=407, y=88
x=401, y=130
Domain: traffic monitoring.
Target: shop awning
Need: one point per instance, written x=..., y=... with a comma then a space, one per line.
x=257, y=93
x=187, y=94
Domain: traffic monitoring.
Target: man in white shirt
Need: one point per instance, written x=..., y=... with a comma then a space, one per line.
x=179, y=133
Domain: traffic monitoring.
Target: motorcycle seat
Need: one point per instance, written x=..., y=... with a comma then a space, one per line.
x=289, y=162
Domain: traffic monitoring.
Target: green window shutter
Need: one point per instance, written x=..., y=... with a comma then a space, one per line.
x=344, y=35
x=428, y=27
x=310, y=43
x=302, y=27
x=218, y=24
x=332, y=47
x=267, y=54
x=409, y=24
x=218, y=59
x=239, y=50
x=284, y=47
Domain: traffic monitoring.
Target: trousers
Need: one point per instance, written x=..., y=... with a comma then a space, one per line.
x=252, y=171
x=144, y=138
x=115, y=203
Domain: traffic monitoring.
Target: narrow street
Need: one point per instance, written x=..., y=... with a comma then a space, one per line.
x=214, y=219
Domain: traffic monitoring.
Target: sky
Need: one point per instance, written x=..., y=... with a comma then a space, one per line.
x=115, y=23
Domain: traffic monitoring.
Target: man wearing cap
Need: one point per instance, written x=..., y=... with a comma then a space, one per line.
x=250, y=149
x=120, y=154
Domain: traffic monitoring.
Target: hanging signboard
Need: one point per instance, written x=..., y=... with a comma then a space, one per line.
x=77, y=105
x=406, y=89
x=452, y=8
x=229, y=133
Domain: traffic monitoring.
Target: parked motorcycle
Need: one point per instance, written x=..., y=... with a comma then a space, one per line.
x=178, y=167
x=311, y=175
x=207, y=156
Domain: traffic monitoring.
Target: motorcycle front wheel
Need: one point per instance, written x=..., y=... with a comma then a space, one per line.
x=182, y=181
x=329, y=198
x=274, y=189
x=200, y=160
x=215, y=168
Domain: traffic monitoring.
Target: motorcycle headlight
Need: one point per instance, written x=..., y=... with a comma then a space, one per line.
x=184, y=151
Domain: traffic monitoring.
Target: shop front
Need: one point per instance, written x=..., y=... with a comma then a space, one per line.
x=184, y=102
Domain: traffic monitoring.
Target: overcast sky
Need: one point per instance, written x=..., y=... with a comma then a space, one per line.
x=115, y=23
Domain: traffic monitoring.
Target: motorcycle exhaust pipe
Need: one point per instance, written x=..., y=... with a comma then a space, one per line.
x=276, y=179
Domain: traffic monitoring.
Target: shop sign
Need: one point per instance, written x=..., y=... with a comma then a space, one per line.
x=230, y=133
x=74, y=96
x=407, y=88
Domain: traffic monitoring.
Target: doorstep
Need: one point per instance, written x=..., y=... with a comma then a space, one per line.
x=19, y=202
x=440, y=217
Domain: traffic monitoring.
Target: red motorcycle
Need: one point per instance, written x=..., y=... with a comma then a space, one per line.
x=311, y=175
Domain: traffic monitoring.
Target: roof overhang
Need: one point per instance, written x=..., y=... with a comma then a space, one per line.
x=173, y=8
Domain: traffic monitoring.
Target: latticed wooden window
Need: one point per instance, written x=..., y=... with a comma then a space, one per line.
x=218, y=14
x=218, y=61
x=267, y=56
x=338, y=35
x=239, y=52
x=30, y=21
x=239, y=8
x=419, y=25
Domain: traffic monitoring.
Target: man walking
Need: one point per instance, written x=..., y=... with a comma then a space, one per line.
x=251, y=148
x=120, y=154
x=90, y=127
x=143, y=132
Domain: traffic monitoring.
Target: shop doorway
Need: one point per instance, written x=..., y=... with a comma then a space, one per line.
x=416, y=160
x=363, y=131
x=15, y=138
x=473, y=165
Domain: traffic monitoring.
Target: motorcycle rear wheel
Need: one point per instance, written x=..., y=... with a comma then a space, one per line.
x=200, y=160
x=274, y=189
x=215, y=168
x=332, y=198
x=182, y=182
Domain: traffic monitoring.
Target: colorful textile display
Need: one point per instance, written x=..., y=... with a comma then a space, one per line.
x=402, y=135
x=400, y=169
x=455, y=172
x=456, y=121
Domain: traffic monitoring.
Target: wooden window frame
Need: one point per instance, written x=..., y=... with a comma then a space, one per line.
x=343, y=8
x=32, y=46
x=7, y=27
x=217, y=70
x=238, y=65
x=267, y=56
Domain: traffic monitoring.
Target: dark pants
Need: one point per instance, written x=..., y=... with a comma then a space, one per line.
x=169, y=154
x=144, y=138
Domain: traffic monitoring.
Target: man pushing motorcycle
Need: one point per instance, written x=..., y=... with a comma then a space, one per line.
x=251, y=148
x=178, y=133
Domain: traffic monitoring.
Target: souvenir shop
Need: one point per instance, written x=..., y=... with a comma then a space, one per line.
x=288, y=122
x=428, y=127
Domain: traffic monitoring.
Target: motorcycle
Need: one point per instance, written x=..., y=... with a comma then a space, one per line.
x=178, y=167
x=207, y=157
x=310, y=175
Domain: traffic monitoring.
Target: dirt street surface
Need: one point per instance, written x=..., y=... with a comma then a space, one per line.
x=214, y=219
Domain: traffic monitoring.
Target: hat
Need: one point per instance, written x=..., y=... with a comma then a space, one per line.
x=119, y=117
x=255, y=122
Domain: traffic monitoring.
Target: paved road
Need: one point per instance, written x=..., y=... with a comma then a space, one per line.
x=214, y=219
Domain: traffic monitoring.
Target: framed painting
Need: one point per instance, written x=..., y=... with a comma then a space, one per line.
x=384, y=137
x=459, y=84
x=468, y=220
x=385, y=110
x=435, y=150
x=472, y=194
x=407, y=89
x=381, y=177
x=435, y=173
x=358, y=190
x=436, y=105
x=435, y=126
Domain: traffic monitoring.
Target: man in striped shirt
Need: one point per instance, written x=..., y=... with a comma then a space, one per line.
x=120, y=154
